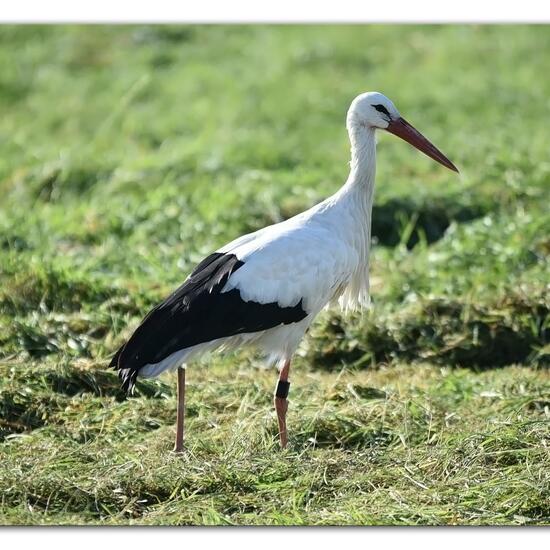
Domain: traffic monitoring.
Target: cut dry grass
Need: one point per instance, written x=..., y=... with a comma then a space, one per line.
x=400, y=445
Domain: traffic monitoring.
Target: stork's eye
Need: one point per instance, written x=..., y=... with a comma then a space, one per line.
x=381, y=109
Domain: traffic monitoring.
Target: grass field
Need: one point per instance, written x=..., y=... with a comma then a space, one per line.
x=129, y=153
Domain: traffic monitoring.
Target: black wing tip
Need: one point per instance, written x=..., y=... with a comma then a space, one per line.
x=114, y=359
x=128, y=376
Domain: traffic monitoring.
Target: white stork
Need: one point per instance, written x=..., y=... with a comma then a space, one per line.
x=264, y=289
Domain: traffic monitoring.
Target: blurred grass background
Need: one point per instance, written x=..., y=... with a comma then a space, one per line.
x=127, y=153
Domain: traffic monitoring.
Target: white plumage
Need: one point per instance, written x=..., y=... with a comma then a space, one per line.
x=320, y=256
x=266, y=288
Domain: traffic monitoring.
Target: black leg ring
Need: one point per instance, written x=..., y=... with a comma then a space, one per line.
x=282, y=389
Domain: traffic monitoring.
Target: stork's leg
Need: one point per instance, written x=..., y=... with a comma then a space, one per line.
x=281, y=403
x=181, y=410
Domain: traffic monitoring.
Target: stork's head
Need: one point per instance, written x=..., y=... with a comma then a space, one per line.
x=374, y=110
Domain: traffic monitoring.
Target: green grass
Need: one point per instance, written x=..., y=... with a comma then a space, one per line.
x=128, y=153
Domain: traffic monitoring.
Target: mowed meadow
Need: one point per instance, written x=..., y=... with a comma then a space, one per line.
x=128, y=153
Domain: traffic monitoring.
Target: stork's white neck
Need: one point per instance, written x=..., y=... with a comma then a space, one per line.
x=363, y=156
x=353, y=210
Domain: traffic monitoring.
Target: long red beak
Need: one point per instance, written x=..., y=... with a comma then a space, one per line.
x=409, y=133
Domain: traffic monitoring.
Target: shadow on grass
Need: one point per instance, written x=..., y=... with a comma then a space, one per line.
x=404, y=221
x=34, y=397
x=18, y=414
x=514, y=331
x=100, y=383
x=341, y=432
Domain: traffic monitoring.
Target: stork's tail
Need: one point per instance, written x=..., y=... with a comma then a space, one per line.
x=128, y=376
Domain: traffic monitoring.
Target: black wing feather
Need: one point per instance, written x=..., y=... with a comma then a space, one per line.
x=195, y=313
